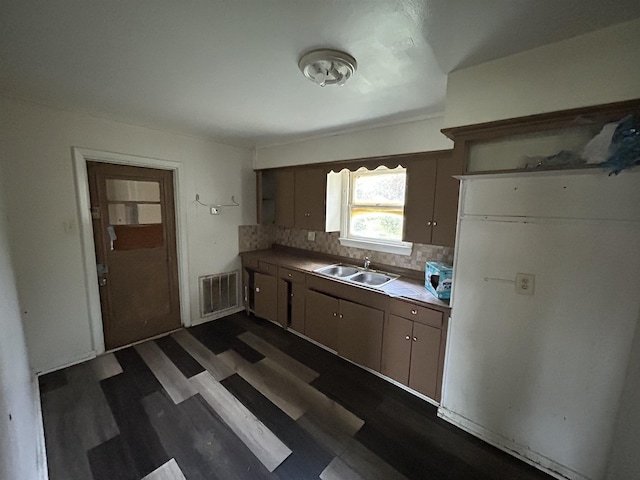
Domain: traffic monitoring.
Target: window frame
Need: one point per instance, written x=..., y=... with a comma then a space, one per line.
x=398, y=247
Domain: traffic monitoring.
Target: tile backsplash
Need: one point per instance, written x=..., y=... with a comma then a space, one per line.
x=258, y=237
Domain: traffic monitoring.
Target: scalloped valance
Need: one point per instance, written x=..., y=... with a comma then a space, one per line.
x=390, y=161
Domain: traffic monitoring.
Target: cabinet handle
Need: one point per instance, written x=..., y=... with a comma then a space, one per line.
x=428, y=223
x=415, y=339
x=289, y=275
x=414, y=312
x=341, y=315
x=435, y=224
x=257, y=289
x=335, y=314
x=408, y=337
x=292, y=295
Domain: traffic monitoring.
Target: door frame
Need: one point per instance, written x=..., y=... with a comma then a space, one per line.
x=80, y=158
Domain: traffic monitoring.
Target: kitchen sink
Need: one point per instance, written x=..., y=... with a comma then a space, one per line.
x=372, y=278
x=358, y=275
x=338, y=270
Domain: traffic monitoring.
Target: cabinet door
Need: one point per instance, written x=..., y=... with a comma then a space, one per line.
x=265, y=289
x=321, y=318
x=419, y=200
x=360, y=334
x=425, y=352
x=310, y=197
x=396, y=349
x=284, y=196
x=246, y=289
x=284, y=292
x=297, y=307
x=445, y=210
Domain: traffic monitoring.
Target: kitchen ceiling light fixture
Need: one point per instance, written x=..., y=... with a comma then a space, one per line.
x=327, y=67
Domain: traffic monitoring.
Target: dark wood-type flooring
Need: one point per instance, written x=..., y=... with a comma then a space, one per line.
x=241, y=398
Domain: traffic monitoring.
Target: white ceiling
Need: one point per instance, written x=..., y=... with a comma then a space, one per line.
x=227, y=69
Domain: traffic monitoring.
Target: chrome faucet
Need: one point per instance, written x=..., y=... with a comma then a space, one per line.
x=367, y=262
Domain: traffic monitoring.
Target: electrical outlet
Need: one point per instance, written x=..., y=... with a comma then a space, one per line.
x=525, y=283
x=311, y=236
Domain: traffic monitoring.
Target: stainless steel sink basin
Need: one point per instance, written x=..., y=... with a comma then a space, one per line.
x=373, y=279
x=359, y=275
x=338, y=270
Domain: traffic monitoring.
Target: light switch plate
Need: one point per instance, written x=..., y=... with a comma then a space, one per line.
x=525, y=283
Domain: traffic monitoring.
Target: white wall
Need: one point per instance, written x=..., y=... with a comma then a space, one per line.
x=596, y=68
x=520, y=403
x=418, y=136
x=37, y=161
x=543, y=375
x=625, y=461
x=18, y=420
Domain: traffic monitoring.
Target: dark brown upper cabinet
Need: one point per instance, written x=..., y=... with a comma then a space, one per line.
x=431, y=199
x=309, y=199
x=302, y=197
x=284, y=195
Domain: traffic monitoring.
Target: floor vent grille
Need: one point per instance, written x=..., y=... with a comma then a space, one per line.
x=218, y=293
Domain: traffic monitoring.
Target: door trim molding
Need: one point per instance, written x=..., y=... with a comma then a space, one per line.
x=80, y=158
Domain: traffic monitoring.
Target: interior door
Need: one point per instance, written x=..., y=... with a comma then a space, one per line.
x=134, y=232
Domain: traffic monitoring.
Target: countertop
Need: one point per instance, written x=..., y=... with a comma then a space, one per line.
x=403, y=287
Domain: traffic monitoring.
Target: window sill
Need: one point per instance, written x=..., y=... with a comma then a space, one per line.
x=399, y=249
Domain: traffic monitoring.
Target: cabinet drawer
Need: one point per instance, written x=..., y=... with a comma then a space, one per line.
x=416, y=312
x=250, y=263
x=292, y=276
x=268, y=268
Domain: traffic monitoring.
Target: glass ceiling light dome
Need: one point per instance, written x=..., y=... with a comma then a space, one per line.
x=327, y=67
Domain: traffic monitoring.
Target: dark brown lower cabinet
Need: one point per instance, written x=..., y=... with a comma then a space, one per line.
x=425, y=352
x=321, y=318
x=298, y=291
x=265, y=288
x=284, y=303
x=360, y=334
x=291, y=286
x=398, y=332
x=412, y=354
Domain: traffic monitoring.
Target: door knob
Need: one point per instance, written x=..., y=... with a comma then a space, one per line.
x=257, y=289
x=102, y=281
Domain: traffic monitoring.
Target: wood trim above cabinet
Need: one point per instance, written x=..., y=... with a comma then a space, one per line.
x=540, y=121
x=466, y=136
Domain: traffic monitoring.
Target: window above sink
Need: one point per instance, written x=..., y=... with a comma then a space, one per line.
x=373, y=210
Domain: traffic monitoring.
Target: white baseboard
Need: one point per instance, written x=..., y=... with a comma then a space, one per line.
x=41, y=451
x=215, y=316
x=525, y=454
x=70, y=362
